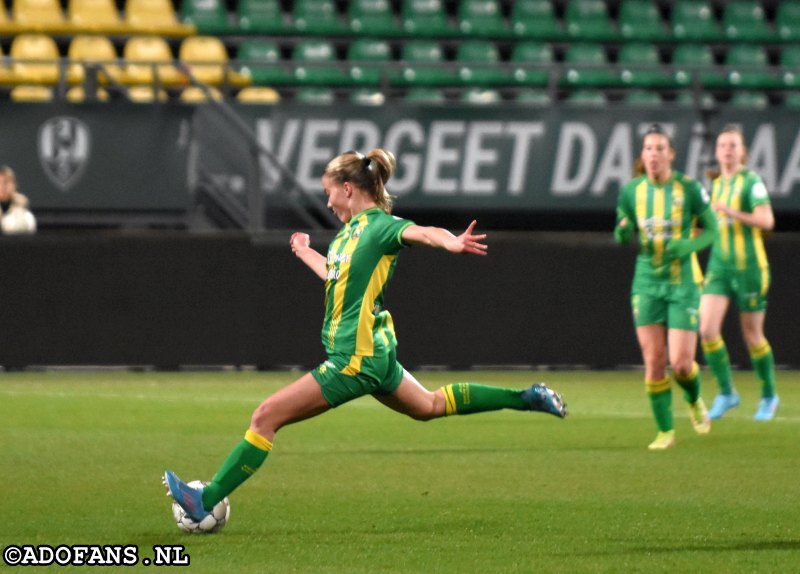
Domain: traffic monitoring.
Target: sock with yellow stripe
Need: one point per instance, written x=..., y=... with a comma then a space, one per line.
x=660, y=394
x=468, y=398
x=718, y=360
x=764, y=365
x=690, y=383
x=241, y=464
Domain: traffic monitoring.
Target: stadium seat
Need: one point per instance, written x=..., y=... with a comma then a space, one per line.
x=749, y=99
x=640, y=66
x=372, y=18
x=95, y=16
x=424, y=64
x=533, y=97
x=787, y=20
x=149, y=60
x=155, y=17
x=260, y=61
x=425, y=18
x=790, y=66
x=196, y=95
x=792, y=100
x=318, y=17
x=694, y=21
x=210, y=17
x=482, y=18
x=146, y=94
x=35, y=94
x=77, y=95
x=748, y=67
x=7, y=26
x=745, y=20
x=315, y=95
x=262, y=17
x=35, y=59
x=532, y=61
x=640, y=20
x=643, y=98
x=696, y=62
x=587, y=97
x=258, y=95
x=479, y=64
x=368, y=58
x=481, y=96
x=688, y=98
x=87, y=49
x=207, y=58
x=425, y=95
x=40, y=16
x=367, y=97
x=316, y=64
x=535, y=19
x=586, y=65
x=589, y=20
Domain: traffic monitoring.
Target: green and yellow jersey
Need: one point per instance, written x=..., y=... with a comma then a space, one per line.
x=662, y=212
x=361, y=260
x=738, y=245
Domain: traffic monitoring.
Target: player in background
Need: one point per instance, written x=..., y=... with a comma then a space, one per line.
x=358, y=333
x=662, y=205
x=738, y=270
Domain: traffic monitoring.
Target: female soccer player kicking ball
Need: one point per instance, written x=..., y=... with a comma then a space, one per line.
x=358, y=334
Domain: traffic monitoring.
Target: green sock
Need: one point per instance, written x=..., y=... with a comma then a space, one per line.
x=241, y=464
x=764, y=364
x=690, y=384
x=660, y=394
x=468, y=398
x=716, y=354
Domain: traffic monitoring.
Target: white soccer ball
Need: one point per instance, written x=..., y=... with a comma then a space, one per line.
x=18, y=220
x=211, y=523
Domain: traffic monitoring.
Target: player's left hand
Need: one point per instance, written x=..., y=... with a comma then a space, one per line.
x=468, y=242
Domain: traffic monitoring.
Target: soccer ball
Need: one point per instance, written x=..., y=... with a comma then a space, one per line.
x=211, y=523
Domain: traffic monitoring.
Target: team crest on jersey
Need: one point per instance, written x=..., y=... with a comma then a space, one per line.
x=678, y=201
x=356, y=233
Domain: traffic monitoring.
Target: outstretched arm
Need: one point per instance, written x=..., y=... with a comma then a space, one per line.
x=467, y=242
x=301, y=246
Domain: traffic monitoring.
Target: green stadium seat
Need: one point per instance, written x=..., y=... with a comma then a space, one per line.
x=426, y=18
x=696, y=62
x=367, y=58
x=640, y=20
x=482, y=18
x=790, y=66
x=424, y=64
x=315, y=96
x=589, y=20
x=792, y=100
x=367, y=97
x=262, y=17
x=749, y=99
x=209, y=16
x=479, y=64
x=261, y=61
x=586, y=65
x=748, y=67
x=423, y=95
x=532, y=62
x=643, y=98
x=318, y=17
x=745, y=20
x=640, y=66
x=688, y=98
x=481, y=96
x=694, y=21
x=535, y=19
x=372, y=18
x=587, y=97
x=787, y=20
x=533, y=97
x=316, y=64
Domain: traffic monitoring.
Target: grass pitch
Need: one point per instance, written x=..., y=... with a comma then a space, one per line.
x=364, y=490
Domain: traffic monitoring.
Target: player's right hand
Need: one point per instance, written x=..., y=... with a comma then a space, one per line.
x=623, y=231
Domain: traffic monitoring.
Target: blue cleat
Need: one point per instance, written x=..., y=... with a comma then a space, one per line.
x=540, y=398
x=190, y=499
x=767, y=408
x=722, y=404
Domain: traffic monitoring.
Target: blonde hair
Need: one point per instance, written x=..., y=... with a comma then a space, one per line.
x=715, y=172
x=369, y=173
x=638, y=165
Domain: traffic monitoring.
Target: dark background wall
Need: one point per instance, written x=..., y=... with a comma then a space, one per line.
x=168, y=299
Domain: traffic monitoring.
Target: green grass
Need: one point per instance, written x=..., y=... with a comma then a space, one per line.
x=365, y=490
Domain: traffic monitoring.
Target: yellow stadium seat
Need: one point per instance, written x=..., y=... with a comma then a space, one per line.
x=206, y=57
x=31, y=93
x=258, y=95
x=39, y=16
x=146, y=94
x=143, y=54
x=99, y=16
x=77, y=95
x=7, y=26
x=34, y=59
x=155, y=17
x=195, y=95
x=87, y=49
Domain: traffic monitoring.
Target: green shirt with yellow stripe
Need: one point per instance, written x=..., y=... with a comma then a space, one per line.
x=360, y=262
x=662, y=212
x=738, y=245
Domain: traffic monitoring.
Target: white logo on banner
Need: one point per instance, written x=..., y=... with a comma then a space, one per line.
x=64, y=146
